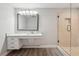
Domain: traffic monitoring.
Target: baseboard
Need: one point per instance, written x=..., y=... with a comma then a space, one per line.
x=62, y=51
x=5, y=53
x=40, y=46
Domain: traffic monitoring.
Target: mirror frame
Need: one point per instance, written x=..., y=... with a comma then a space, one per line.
x=26, y=29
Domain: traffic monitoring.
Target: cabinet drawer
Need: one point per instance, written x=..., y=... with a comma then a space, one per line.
x=11, y=39
x=12, y=43
x=12, y=47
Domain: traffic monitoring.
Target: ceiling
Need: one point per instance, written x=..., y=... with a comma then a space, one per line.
x=40, y=5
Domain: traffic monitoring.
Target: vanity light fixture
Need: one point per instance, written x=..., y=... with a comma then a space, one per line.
x=28, y=12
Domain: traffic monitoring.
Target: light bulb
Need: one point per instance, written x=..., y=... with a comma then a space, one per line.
x=35, y=12
x=31, y=12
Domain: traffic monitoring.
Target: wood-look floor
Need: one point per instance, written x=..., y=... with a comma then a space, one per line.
x=34, y=52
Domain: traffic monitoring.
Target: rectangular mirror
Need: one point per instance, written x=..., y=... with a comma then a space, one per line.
x=27, y=22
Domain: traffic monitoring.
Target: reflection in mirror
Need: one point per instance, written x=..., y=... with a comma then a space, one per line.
x=27, y=20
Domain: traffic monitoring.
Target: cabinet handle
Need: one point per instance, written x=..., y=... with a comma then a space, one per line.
x=68, y=27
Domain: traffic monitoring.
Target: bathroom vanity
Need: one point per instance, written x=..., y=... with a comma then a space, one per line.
x=15, y=41
x=24, y=22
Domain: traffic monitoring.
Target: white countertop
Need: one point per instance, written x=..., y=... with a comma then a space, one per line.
x=25, y=34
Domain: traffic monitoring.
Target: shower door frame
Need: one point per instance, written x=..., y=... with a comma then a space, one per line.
x=58, y=33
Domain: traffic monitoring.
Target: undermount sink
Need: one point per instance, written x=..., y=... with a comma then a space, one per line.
x=27, y=34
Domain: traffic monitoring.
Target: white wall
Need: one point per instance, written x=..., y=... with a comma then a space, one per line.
x=6, y=24
x=48, y=25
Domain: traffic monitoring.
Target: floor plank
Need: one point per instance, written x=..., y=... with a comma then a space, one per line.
x=34, y=52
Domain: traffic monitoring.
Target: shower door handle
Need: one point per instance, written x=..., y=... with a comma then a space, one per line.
x=68, y=27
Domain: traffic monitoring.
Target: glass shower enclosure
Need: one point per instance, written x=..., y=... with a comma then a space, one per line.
x=64, y=29
x=68, y=29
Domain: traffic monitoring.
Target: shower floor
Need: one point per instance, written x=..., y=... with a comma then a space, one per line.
x=73, y=51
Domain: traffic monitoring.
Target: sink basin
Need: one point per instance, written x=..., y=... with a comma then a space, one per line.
x=30, y=34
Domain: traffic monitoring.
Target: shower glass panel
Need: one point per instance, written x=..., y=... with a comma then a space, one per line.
x=75, y=30
x=64, y=29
